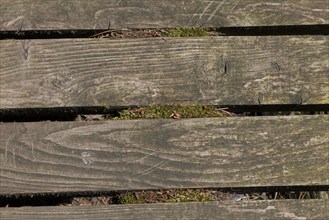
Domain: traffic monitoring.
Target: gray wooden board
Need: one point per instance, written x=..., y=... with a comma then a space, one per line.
x=155, y=154
x=208, y=70
x=283, y=209
x=97, y=14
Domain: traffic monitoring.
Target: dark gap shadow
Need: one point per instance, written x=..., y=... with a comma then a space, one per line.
x=322, y=29
x=56, y=113
x=113, y=197
x=71, y=113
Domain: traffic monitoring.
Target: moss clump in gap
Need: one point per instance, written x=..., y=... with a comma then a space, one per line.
x=130, y=198
x=167, y=196
x=189, y=196
x=176, y=112
x=187, y=32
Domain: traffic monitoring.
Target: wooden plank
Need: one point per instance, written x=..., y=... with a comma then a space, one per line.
x=210, y=70
x=97, y=14
x=155, y=154
x=284, y=209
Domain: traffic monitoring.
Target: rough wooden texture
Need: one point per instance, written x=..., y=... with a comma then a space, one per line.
x=86, y=14
x=284, y=209
x=214, y=70
x=155, y=154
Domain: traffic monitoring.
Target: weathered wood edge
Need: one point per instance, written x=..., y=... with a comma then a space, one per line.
x=98, y=14
x=214, y=70
x=280, y=209
x=157, y=154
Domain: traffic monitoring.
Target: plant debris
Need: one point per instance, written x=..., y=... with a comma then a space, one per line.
x=175, y=112
x=159, y=32
x=189, y=195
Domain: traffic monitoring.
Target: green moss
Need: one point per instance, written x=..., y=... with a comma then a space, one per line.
x=188, y=32
x=171, y=196
x=130, y=198
x=189, y=196
x=178, y=111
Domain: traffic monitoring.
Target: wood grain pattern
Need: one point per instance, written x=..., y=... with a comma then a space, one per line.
x=97, y=14
x=155, y=154
x=284, y=209
x=211, y=70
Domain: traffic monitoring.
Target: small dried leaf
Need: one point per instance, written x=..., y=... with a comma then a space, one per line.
x=175, y=115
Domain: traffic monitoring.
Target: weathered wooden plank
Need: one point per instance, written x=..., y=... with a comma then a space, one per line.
x=97, y=14
x=155, y=154
x=284, y=209
x=213, y=70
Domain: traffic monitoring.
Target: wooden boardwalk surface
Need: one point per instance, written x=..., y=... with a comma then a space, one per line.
x=282, y=209
x=97, y=14
x=265, y=58
x=155, y=154
x=210, y=70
